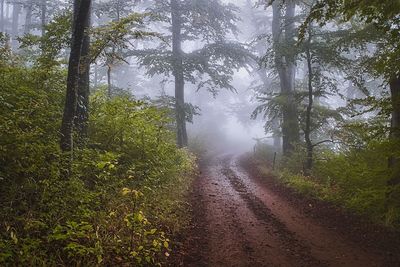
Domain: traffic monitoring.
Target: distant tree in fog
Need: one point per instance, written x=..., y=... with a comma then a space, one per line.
x=207, y=24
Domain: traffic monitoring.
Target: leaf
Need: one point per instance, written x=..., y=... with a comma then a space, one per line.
x=138, y=217
x=14, y=237
x=166, y=245
x=126, y=191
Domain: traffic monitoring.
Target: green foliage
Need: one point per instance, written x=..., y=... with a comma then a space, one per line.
x=383, y=16
x=208, y=22
x=124, y=199
x=356, y=179
x=111, y=39
x=48, y=51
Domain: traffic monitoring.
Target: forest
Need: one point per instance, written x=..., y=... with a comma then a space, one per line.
x=200, y=133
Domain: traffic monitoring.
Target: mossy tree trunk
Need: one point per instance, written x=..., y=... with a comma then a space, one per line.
x=71, y=100
x=82, y=111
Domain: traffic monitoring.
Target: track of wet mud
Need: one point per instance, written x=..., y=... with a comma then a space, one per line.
x=240, y=222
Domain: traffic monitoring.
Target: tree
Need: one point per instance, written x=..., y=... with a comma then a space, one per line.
x=28, y=16
x=319, y=58
x=210, y=66
x=260, y=23
x=283, y=31
x=83, y=91
x=114, y=10
x=384, y=16
x=67, y=126
x=2, y=18
x=323, y=61
x=15, y=19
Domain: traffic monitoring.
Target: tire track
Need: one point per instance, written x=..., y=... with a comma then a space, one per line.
x=294, y=247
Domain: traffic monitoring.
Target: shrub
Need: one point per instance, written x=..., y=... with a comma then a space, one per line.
x=124, y=198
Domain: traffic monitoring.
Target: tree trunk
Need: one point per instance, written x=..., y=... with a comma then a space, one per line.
x=285, y=64
x=67, y=125
x=182, y=139
x=95, y=76
x=28, y=18
x=394, y=162
x=82, y=111
x=3, y=22
x=43, y=15
x=276, y=135
x=15, y=24
x=307, y=131
x=109, y=85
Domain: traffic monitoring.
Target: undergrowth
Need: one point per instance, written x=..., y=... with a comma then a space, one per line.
x=356, y=180
x=123, y=201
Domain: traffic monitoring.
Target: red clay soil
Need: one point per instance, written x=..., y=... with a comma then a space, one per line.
x=243, y=219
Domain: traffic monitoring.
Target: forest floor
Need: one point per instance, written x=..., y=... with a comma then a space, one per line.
x=241, y=218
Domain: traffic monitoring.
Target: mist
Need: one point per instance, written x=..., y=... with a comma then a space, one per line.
x=199, y=133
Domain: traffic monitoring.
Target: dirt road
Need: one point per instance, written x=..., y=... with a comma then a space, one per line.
x=240, y=222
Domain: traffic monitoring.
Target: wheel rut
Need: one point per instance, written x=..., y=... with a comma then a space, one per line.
x=243, y=223
x=294, y=247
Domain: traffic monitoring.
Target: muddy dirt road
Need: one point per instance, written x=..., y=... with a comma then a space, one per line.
x=243, y=223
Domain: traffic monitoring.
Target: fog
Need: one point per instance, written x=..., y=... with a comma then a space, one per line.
x=224, y=115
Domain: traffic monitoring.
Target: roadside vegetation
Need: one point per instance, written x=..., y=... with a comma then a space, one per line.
x=332, y=107
x=356, y=179
x=121, y=198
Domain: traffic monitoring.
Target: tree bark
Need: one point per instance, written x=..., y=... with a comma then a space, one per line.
x=82, y=111
x=394, y=162
x=307, y=131
x=182, y=139
x=43, y=15
x=109, y=85
x=285, y=64
x=67, y=125
x=3, y=22
x=28, y=18
x=15, y=24
x=95, y=76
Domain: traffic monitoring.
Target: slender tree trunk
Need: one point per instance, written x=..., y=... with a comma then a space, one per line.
x=276, y=134
x=96, y=75
x=82, y=112
x=7, y=18
x=67, y=125
x=109, y=84
x=3, y=22
x=43, y=16
x=15, y=24
x=28, y=18
x=307, y=131
x=291, y=123
x=15, y=19
x=394, y=162
x=111, y=60
x=285, y=64
x=182, y=139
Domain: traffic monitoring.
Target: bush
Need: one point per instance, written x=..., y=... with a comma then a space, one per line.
x=356, y=179
x=125, y=196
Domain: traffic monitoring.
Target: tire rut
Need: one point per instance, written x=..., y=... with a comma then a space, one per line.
x=241, y=222
x=294, y=248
